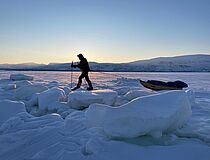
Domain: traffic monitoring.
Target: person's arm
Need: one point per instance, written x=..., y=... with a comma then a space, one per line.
x=82, y=64
x=74, y=65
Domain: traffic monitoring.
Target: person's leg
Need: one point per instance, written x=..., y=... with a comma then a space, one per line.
x=79, y=81
x=89, y=82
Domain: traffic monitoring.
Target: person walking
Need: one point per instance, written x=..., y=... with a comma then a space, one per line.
x=84, y=67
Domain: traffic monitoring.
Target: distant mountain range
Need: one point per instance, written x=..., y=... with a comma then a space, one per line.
x=187, y=63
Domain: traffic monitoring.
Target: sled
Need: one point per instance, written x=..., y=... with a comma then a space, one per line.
x=159, y=85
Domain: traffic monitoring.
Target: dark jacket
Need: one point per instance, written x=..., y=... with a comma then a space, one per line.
x=83, y=65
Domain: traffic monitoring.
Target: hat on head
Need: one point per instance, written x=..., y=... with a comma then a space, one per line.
x=80, y=55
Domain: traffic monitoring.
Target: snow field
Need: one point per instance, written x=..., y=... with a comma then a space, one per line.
x=45, y=120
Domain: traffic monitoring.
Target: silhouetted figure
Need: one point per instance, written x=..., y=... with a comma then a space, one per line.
x=84, y=67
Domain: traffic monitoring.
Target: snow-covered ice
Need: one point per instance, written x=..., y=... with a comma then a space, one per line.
x=39, y=117
x=9, y=109
x=9, y=86
x=26, y=92
x=89, y=97
x=48, y=98
x=137, y=93
x=22, y=83
x=18, y=77
x=152, y=115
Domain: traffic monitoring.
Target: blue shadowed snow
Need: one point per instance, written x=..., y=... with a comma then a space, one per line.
x=52, y=129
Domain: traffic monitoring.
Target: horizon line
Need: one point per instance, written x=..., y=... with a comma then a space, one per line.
x=143, y=59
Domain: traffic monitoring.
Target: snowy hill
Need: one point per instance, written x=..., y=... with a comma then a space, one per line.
x=179, y=63
x=20, y=66
x=191, y=63
x=187, y=63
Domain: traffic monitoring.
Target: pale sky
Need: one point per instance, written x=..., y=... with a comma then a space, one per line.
x=44, y=31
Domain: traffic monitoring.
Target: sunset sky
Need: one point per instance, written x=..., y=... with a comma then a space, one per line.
x=44, y=31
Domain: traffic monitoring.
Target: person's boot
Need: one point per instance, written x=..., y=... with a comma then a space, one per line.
x=90, y=87
x=77, y=87
x=73, y=89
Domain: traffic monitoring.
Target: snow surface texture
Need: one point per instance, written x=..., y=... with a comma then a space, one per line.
x=26, y=92
x=151, y=115
x=18, y=77
x=22, y=83
x=49, y=97
x=80, y=100
x=9, y=87
x=9, y=109
x=133, y=123
x=136, y=93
